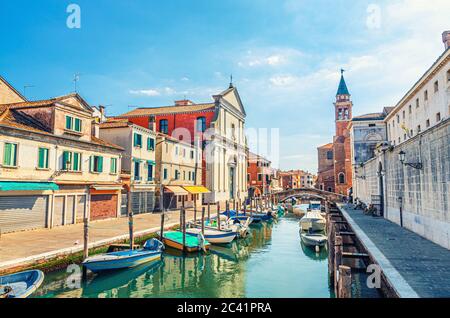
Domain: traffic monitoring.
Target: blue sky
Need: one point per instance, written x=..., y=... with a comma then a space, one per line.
x=285, y=56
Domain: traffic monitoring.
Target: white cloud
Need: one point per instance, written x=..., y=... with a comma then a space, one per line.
x=269, y=57
x=145, y=92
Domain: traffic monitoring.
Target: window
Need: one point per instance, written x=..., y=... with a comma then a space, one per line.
x=71, y=161
x=43, y=158
x=96, y=163
x=165, y=173
x=417, y=103
x=150, y=144
x=73, y=124
x=398, y=119
x=341, y=178
x=164, y=126
x=436, y=86
x=404, y=114
x=184, y=175
x=330, y=155
x=410, y=109
x=201, y=124
x=428, y=123
x=233, y=131
x=259, y=177
x=372, y=125
x=418, y=129
x=248, y=177
x=113, y=167
x=177, y=174
x=448, y=76
x=137, y=140
x=438, y=117
x=137, y=171
x=10, y=155
x=189, y=176
x=404, y=136
x=393, y=124
x=176, y=150
x=193, y=175
x=150, y=172
x=192, y=154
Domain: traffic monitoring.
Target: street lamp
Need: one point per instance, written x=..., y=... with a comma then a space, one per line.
x=415, y=165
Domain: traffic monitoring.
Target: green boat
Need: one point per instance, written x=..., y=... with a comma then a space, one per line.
x=194, y=243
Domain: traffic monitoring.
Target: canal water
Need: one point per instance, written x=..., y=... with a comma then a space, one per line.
x=271, y=263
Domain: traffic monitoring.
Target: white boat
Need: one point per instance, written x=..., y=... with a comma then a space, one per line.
x=315, y=205
x=300, y=209
x=313, y=220
x=239, y=226
x=214, y=236
x=313, y=239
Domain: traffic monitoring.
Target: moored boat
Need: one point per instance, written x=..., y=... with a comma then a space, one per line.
x=313, y=239
x=194, y=243
x=214, y=236
x=150, y=252
x=20, y=285
x=313, y=220
x=300, y=209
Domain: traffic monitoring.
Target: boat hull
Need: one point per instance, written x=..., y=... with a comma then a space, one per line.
x=215, y=236
x=316, y=226
x=174, y=240
x=22, y=284
x=126, y=262
x=313, y=240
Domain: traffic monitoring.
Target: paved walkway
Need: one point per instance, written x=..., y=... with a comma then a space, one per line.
x=23, y=248
x=415, y=266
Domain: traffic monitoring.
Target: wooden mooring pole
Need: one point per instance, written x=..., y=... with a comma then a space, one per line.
x=183, y=213
x=161, y=232
x=85, y=244
x=345, y=282
x=209, y=212
x=337, y=260
x=130, y=220
x=195, y=210
x=218, y=215
x=330, y=232
x=203, y=220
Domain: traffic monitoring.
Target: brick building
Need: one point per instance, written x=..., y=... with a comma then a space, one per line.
x=325, y=178
x=259, y=175
x=341, y=149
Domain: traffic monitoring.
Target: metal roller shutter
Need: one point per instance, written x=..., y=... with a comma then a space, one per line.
x=19, y=213
x=58, y=212
x=70, y=219
x=81, y=208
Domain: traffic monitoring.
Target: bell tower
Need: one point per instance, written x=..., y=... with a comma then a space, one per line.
x=343, y=107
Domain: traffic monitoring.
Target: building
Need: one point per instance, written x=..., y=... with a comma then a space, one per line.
x=8, y=94
x=343, y=108
x=325, y=175
x=408, y=178
x=296, y=179
x=54, y=171
x=179, y=173
x=259, y=175
x=219, y=126
x=138, y=160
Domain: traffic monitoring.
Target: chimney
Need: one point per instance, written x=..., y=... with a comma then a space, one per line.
x=96, y=128
x=446, y=39
x=102, y=110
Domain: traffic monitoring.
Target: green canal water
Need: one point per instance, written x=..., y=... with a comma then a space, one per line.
x=271, y=263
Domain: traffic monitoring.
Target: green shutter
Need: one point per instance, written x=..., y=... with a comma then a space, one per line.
x=7, y=155
x=135, y=140
x=100, y=164
x=77, y=124
x=113, y=165
x=43, y=158
x=65, y=159
x=76, y=161
x=68, y=122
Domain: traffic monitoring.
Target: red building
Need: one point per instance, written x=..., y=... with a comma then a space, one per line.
x=325, y=179
x=259, y=175
x=341, y=151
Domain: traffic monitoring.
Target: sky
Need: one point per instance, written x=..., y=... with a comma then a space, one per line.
x=285, y=57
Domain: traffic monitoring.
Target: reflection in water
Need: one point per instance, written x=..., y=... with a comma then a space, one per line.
x=269, y=263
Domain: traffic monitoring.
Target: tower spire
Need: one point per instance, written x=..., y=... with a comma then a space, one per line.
x=342, y=89
x=231, y=81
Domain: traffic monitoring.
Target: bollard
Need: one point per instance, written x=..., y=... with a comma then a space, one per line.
x=337, y=260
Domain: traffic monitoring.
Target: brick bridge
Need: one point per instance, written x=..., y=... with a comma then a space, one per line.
x=308, y=194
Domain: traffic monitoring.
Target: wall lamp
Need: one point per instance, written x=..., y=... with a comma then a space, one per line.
x=415, y=165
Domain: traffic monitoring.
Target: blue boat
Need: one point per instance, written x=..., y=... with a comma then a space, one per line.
x=261, y=216
x=151, y=251
x=20, y=285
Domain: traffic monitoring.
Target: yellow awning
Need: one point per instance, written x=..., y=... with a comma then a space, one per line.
x=177, y=190
x=196, y=189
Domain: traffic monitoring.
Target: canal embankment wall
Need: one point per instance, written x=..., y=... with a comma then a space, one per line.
x=417, y=199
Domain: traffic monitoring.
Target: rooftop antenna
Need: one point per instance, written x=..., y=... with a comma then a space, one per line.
x=25, y=89
x=76, y=78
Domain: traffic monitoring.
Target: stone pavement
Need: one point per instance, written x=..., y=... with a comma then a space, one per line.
x=415, y=266
x=23, y=248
